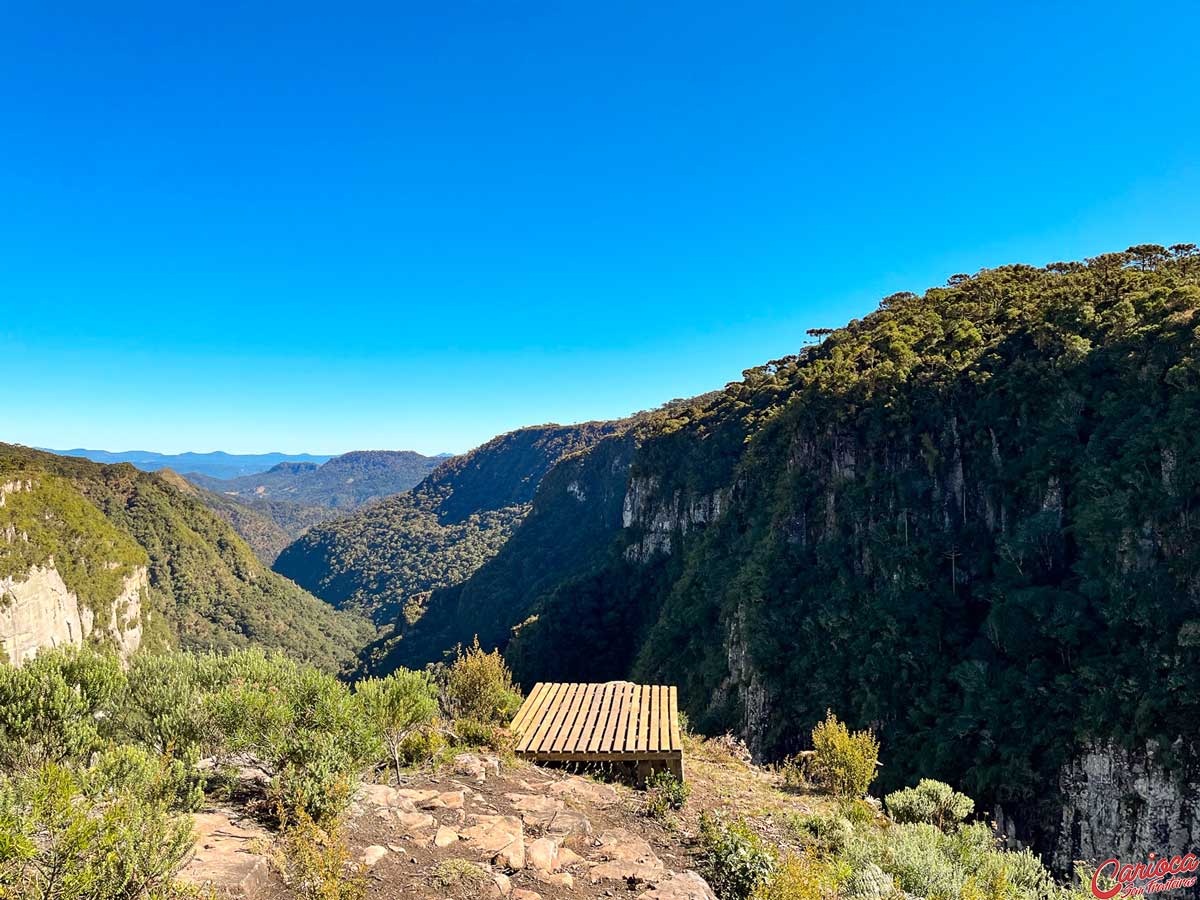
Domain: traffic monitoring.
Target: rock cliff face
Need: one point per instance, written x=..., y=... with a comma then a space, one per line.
x=40, y=611
x=1125, y=804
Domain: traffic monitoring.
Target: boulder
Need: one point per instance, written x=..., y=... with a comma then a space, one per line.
x=542, y=855
x=680, y=886
x=477, y=765
x=500, y=837
x=372, y=855
x=445, y=837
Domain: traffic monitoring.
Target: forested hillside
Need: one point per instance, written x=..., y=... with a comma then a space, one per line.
x=271, y=509
x=968, y=520
x=205, y=589
x=385, y=559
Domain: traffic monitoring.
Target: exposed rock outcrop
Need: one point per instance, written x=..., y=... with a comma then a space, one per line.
x=41, y=611
x=1124, y=804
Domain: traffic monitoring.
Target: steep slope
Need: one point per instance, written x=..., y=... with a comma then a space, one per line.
x=205, y=588
x=67, y=575
x=968, y=520
x=385, y=559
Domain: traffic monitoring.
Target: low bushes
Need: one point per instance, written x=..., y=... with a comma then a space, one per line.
x=931, y=802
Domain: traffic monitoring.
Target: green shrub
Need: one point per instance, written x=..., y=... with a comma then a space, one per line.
x=56, y=707
x=796, y=771
x=824, y=834
x=802, y=877
x=422, y=745
x=931, y=802
x=304, y=727
x=665, y=792
x=396, y=706
x=843, y=762
x=315, y=862
x=735, y=860
x=163, y=709
x=479, y=686
x=59, y=843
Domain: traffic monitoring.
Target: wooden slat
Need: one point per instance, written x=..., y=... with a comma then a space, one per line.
x=673, y=712
x=664, y=718
x=635, y=706
x=535, y=738
x=559, y=716
x=526, y=712
x=534, y=717
x=643, y=742
x=654, y=715
x=573, y=739
x=576, y=703
x=589, y=726
x=615, y=730
x=600, y=721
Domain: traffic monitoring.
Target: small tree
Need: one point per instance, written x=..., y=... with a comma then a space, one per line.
x=398, y=705
x=843, y=761
x=479, y=686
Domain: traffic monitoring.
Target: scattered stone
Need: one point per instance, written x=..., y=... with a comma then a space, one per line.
x=568, y=857
x=585, y=791
x=501, y=837
x=560, y=879
x=395, y=848
x=550, y=815
x=372, y=855
x=623, y=856
x=445, y=837
x=477, y=766
x=413, y=820
x=501, y=886
x=542, y=855
x=420, y=799
x=680, y=886
x=453, y=799
x=522, y=894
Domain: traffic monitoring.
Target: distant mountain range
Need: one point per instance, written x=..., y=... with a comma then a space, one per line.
x=217, y=464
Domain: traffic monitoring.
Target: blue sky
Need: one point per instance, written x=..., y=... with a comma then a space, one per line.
x=320, y=227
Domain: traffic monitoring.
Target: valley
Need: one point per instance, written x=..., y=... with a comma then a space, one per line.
x=966, y=522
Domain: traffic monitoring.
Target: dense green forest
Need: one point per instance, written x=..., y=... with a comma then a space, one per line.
x=981, y=497
x=207, y=589
x=386, y=559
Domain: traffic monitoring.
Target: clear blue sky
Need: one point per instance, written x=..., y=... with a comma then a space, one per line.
x=321, y=227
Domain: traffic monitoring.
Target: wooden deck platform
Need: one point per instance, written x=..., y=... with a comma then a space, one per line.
x=614, y=722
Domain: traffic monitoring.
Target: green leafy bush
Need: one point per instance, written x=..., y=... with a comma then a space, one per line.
x=824, y=834
x=55, y=707
x=735, y=860
x=315, y=862
x=843, y=762
x=60, y=842
x=665, y=792
x=396, y=706
x=931, y=802
x=479, y=687
x=803, y=877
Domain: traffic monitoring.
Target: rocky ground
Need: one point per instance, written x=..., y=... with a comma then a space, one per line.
x=478, y=828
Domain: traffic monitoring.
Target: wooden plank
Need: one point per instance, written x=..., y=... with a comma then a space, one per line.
x=534, y=716
x=525, y=713
x=560, y=714
x=539, y=733
x=635, y=705
x=552, y=756
x=575, y=703
x=654, y=716
x=577, y=729
x=664, y=718
x=594, y=714
x=615, y=730
x=673, y=699
x=600, y=722
x=643, y=741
